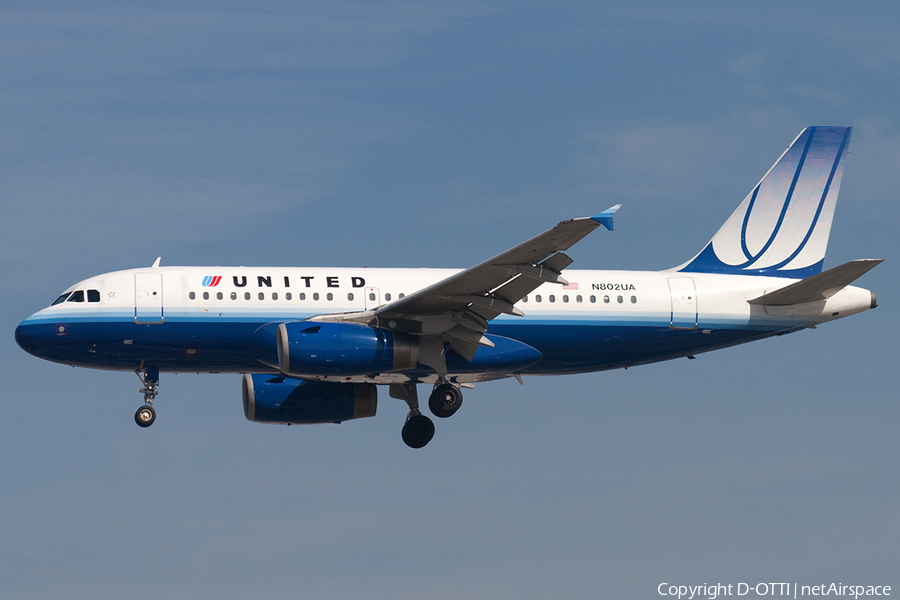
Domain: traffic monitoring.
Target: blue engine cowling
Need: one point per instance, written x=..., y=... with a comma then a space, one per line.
x=269, y=399
x=314, y=349
x=308, y=349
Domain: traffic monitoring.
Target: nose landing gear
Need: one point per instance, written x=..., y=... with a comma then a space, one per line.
x=145, y=415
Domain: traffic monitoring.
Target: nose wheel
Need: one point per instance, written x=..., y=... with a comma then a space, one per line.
x=146, y=414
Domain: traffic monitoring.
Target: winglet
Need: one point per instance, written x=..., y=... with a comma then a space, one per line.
x=156, y=262
x=606, y=217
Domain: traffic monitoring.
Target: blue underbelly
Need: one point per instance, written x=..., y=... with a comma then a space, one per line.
x=224, y=346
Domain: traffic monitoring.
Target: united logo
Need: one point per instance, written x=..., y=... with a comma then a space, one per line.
x=211, y=280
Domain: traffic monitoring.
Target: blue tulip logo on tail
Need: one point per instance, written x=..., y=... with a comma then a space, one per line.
x=781, y=228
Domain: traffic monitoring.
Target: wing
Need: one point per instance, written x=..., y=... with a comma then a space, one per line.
x=457, y=310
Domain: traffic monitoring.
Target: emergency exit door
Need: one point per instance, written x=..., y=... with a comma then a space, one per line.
x=373, y=298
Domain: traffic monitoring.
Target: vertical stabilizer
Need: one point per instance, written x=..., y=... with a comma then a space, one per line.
x=781, y=228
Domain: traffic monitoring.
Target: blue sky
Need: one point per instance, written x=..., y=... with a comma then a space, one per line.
x=438, y=134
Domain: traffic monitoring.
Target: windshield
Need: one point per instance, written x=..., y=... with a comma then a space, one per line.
x=61, y=299
x=78, y=296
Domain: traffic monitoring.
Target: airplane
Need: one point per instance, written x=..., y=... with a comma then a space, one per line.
x=314, y=344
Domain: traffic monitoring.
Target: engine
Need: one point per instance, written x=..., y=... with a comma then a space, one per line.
x=308, y=349
x=311, y=350
x=269, y=399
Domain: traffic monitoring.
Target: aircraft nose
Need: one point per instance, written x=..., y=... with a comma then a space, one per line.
x=34, y=337
x=24, y=337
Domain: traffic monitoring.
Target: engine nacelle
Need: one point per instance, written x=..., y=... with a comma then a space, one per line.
x=307, y=348
x=269, y=399
x=313, y=349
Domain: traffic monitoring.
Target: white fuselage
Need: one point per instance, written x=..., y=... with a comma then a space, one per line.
x=200, y=319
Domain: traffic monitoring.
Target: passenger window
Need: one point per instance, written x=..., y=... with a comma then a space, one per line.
x=262, y=295
x=634, y=299
x=401, y=295
x=274, y=295
x=61, y=299
x=605, y=299
x=593, y=299
x=372, y=297
x=206, y=295
x=234, y=295
x=577, y=298
x=192, y=295
x=537, y=298
x=387, y=297
x=93, y=296
x=76, y=296
x=551, y=298
x=287, y=296
x=329, y=296
x=525, y=299
x=302, y=296
x=219, y=296
x=246, y=295
x=350, y=296
x=315, y=295
x=565, y=298
x=619, y=299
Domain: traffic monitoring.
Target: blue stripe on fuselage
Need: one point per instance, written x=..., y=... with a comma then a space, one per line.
x=223, y=344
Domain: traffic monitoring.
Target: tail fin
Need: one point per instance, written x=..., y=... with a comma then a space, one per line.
x=781, y=228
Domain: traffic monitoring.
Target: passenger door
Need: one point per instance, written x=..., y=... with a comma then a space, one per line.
x=684, y=303
x=148, y=298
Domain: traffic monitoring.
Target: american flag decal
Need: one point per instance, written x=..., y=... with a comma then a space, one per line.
x=570, y=286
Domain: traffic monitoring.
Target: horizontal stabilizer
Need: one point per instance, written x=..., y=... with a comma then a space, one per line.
x=819, y=287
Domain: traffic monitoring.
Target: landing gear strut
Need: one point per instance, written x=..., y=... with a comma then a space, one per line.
x=445, y=400
x=418, y=429
x=145, y=415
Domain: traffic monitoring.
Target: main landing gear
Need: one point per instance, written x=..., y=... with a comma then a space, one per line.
x=418, y=429
x=445, y=400
x=145, y=415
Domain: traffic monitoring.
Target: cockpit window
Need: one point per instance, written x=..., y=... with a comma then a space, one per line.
x=76, y=296
x=93, y=296
x=61, y=299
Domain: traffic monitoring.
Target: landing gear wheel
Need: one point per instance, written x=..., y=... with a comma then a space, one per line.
x=145, y=416
x=417, y=431
x=445, y=400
